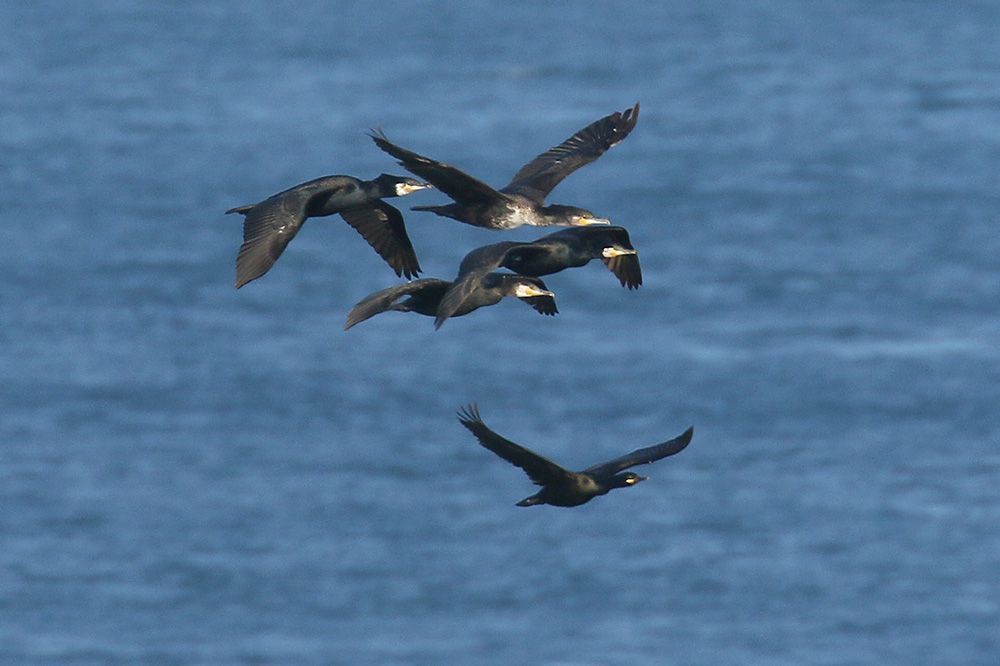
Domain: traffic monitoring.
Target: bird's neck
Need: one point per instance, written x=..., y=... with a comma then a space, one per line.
x=553, y=218
x=379, y=188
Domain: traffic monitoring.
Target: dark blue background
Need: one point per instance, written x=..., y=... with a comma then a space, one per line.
x=191, y=474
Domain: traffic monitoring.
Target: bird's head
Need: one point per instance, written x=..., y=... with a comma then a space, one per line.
x=574, y=217
x=400, y=186
x=612, y=251
x=530, y=288
x=627, y=479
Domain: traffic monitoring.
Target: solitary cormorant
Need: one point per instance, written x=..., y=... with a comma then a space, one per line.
x=425, y=294
x=523, y=200
x=565, y=248
x=561, y=487
x=271, y=224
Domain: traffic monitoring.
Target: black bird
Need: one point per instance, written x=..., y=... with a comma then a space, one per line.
x=549, y=254
x=271, y=224
x=425, y=294
x=561, y=487
x=522, y=201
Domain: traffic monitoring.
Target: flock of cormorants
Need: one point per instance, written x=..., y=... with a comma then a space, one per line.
x=270, y=225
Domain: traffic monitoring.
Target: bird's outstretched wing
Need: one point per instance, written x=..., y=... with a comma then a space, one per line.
x=643, y=456
x=541, y=470
x=476, y=265
x=267, y=230
x=457, y=184
x=545, y=305
x=625, y=266
x=381, y=301
x=537, y=178
x=271, y=224
x=382, y=226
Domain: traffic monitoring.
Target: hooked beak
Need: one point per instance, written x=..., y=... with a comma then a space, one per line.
x=586, y=221
x=530, y=291
x=406, y=188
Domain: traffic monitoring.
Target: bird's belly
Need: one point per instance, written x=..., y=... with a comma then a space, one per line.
x=516, y=215
x=538, y=266
x=567, y=499
x=581, y=491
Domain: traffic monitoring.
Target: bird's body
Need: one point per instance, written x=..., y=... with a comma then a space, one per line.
x=566, y=248
x=522, y=201
x=424, y=295
x=271, y=224
x=561, y=487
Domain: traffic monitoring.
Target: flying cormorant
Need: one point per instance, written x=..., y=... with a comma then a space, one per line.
x=271, y=224
x=561, y=487
x=522, y=201
x=549, y=254
x=425, y=294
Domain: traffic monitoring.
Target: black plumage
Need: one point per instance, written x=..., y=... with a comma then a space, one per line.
x=424, y=295
x=566, y=248
x=561, y=487
x=271, y=224
x=522, y=201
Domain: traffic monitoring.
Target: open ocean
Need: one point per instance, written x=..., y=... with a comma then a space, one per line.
x=195, y=475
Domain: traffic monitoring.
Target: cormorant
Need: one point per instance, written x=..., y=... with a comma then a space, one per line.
x=425, y=294
x=271, y=224
x=522, y=201
x=565, y=248
x=561, y=487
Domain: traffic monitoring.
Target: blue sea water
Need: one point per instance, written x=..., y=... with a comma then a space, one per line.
x=191, y=474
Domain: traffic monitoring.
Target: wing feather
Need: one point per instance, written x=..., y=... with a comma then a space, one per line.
x=457, y=184
x=643, y=456
x=476, y=265
x=267, y=230
x=381, y=301
x=542, y=471
x=626, y=268
x=382, y=226
x=539, y=176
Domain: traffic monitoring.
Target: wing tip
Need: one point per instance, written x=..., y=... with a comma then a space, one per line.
x=469, y=415
x=684, y=438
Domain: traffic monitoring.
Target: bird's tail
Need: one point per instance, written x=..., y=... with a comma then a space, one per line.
x=530, y=501
x=372, y=305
